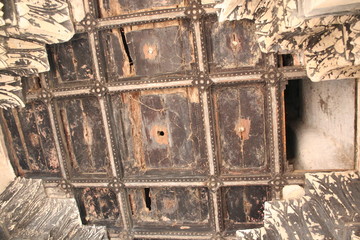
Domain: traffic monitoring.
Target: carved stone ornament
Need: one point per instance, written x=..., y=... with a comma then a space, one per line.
x=329, y=44
x=10, y=92
x=194, y=11
x=29, y=22
x=25, y=27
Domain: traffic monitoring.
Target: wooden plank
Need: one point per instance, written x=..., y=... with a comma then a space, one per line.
x=245, y=204
x=162, y=131
x=110, y=8
x=160, y=48
x=85, y=136
x=98, y=205
x=31, y=84
x=32, y=138
x=170, y=206
x=31, y=143
x=72, y=60
x=46, y=137
x=240, y=127
x=14, y=143
x=82, y=54
x=231, y=44
x=116, y=59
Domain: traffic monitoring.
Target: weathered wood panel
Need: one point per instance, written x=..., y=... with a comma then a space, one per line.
x=160, y=48
x=162, y=131
x=115, y=57
x=31, y=84
x=231, y=44
x=245, y=204
x=170, y=206
x=71, y=61
x=84, y=136
x=240, y=123
x=111, y=8
x=31, y=140
x=98, y=205
x=14, y=142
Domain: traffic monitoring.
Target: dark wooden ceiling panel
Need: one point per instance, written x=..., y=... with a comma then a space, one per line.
x=30, y=138
x=84, y=136
x=231, y=44
x=240, y=119
x=176, y=207
x=160, y=48
x=244, y=205
x=110, y=8
x=162, y=131
x=71, y=61
x=99, y=206
x=115, y=57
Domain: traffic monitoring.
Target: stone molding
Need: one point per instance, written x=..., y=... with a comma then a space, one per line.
x=25, y=27
x=329, y=44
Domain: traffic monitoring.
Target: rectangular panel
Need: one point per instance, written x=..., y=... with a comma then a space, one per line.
x=160, y=48
x=72, y=61
x=84, y=136
x=117, y=62
x=30, y=140
x=111, y=8
x=231, y=44
x=170, y=206
x=98, y=206
x=244, y=204
x=162, y=130
x=240, y=128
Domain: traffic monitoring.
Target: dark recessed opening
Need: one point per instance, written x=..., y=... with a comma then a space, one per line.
x=161, y=133
x=292, y=115
x=285, y=60
x=319, y=124
x=147, y=198
x=126, y=46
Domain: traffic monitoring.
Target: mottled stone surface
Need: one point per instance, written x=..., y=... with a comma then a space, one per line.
x=329, y=44
x=27, y=213
x=329, y=210
x=25, y=27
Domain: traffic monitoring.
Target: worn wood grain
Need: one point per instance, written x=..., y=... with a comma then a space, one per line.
x=31, y=136
x=231, y=44
x=72, y=60
x=17, y=152
x=84, y=136
x=161, y=131
x=170, y=206
x=98, y=205
x=160, y=48
x=240, y=127
x=245, y=204
x=115, y=57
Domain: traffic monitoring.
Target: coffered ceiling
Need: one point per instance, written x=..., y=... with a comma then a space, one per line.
x=160, y=121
